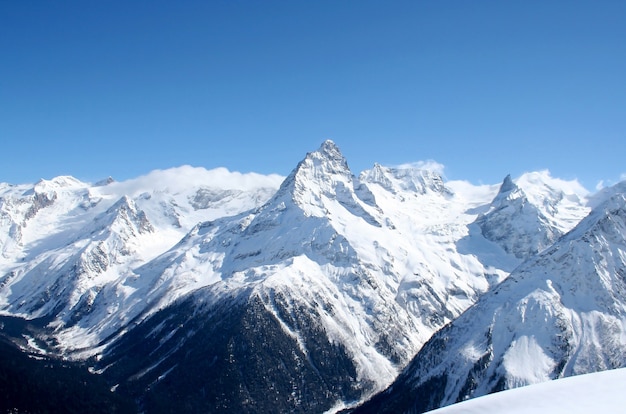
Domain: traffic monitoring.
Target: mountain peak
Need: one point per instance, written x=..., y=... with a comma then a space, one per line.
x=325, y=161
x=507, y=185
x=606, y=218
x=321, y=172
x=321, y=184
x=329, y=145
x=508, y=191
x=402, y=179
x=104, y=182
x=532, y=212
x=125, y=217
x=328, y=159
x=62, y=181
x=331, y=151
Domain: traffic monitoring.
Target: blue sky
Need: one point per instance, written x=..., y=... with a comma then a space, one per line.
x=486, y=88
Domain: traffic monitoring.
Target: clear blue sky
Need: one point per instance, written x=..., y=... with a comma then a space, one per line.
x=487, y=88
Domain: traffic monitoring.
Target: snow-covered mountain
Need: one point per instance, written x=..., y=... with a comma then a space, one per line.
x=70, y=247
x=337, y=271
x=531, y=214
x=227, y=292
x=561, y=313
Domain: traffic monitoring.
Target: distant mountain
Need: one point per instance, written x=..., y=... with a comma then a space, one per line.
x=70, y=248
x=527, y=217
x=217, y=291
x=559, y=314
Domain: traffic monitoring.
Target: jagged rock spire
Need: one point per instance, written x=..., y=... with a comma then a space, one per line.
x=507, y=185
x=325, y=162
x=323, y=173
x=405, y=179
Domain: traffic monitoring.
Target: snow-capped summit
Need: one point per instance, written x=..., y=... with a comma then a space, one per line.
x=328, y=159
x=605, y=193
x=29, y=212
x=323, y=176
x=322, y=167
x=53, y=280
x=124, y=216
x=507, y=186
x=62, y=181
x=104, y=182
x=405, y=179
x=528, y=216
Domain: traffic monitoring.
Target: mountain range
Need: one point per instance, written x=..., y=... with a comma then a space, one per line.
x=211, y=291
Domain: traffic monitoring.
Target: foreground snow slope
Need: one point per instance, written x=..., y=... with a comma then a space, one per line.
x=600, y=392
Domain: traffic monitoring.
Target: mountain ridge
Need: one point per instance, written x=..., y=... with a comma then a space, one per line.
x=349, y=274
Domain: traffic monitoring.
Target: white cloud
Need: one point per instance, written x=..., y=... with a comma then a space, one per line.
x=430, y=165
x=187, y=177
x=600, y=185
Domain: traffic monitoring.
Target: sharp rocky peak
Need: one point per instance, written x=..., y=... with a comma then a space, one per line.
x=540, y=189
x=508, y=191
x=125, y=216
x=325, y=164
x=323, y=175
x=531, y=213
x=104, y=182
x=508, y=185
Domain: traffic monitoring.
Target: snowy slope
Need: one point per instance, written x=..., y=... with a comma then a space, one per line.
x=601, y=392
x=559, y=314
